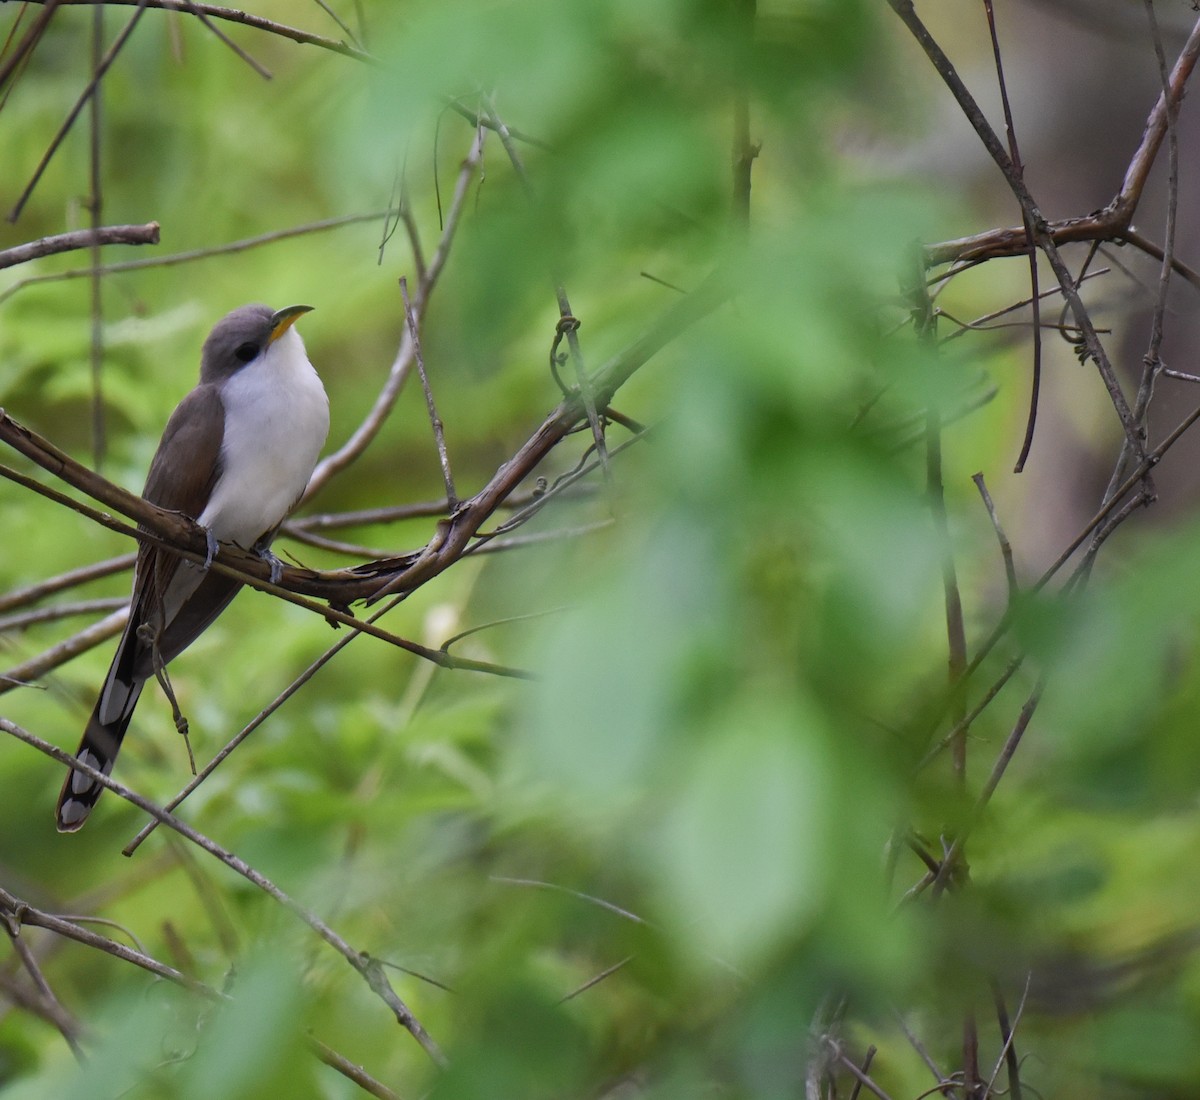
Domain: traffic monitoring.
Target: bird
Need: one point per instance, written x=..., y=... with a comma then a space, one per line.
x=236, y=456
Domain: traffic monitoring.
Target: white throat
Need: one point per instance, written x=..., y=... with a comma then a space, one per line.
x=276, y=421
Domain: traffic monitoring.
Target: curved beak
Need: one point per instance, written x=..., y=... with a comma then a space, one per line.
x=284, y=319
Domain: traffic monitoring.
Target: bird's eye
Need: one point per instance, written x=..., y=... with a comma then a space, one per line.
x=246, y=352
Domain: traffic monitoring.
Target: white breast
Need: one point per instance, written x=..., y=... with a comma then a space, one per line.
x=276, y=421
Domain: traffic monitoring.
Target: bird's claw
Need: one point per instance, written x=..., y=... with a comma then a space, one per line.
x=271, y=560
x=210, y=548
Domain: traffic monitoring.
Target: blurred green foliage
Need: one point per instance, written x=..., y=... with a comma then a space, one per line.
x=736, y=677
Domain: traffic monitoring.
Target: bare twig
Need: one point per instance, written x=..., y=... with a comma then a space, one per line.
x=1043, y=238
x=77, y=239
x=221, y=36
x=29, y=672
x=568, y=323
x=233, y=15
x=950, y=862
x=17, y=913
x=362, y=436
x=1035, y=298
x=1008, y=1053
x=109, y=57
x=596, y=979
x=25, y=619
x=250, y=727
x=196, y=253
x=25, y=47
x=22, y=597
x=1006, y=553
x=367, y=967
x=1114, y=220
x=62, y=1020
x=95, y=212
x=868, y=1058
x=439, y=429
x=350, y=1070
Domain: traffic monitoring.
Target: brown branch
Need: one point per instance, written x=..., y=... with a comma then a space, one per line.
x=1109, y=224
x=402, y=365
x=366, y=966
x=196, y=253
x=350, y=1070
x=744, y=150
x=25, y=619
x=450, y=542
x=184, y=537
x=26, y=46
x=29, y=672
x=1042, y=238
x=232, y=15
x=22, y=597
x=97, y=75
x=67, y=1026
x=77, y=239
x=18, y=913
x=568, y=323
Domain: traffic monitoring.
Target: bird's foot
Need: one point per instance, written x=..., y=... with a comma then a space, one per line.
x=276, y=565
x=210, y=548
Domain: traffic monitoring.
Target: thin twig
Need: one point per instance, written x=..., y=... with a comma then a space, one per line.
x=251, y=726
x=95, y=211
x=366, y=966
x=1008, y=1053
x=567, y=321
x=1006, y=552
x=362, y=436
x=13, y=909
x=221, y=36
x=1019, y=168
x=439, y=429
x=77, y=239
x=591, y=899
x=950, y=862
x=22, y=597
x=350, y=1070
x=596, y=979
x=868, y=1058
x=24, y=48
x=196, y=253
x=67, y=1027
x=25, y=619
x=29, y=672
x=248, y=19
x=109, y=57
x=1043, y=238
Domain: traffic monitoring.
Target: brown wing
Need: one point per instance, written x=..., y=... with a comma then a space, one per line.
x=182, y=475
x=187, y=462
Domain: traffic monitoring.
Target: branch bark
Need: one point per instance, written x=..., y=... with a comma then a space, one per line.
x=79, y=238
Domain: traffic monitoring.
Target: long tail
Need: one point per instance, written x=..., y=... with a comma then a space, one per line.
x=99, y=749
x=105, y=730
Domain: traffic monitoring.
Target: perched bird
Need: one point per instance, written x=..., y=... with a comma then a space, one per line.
x=236, y=456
